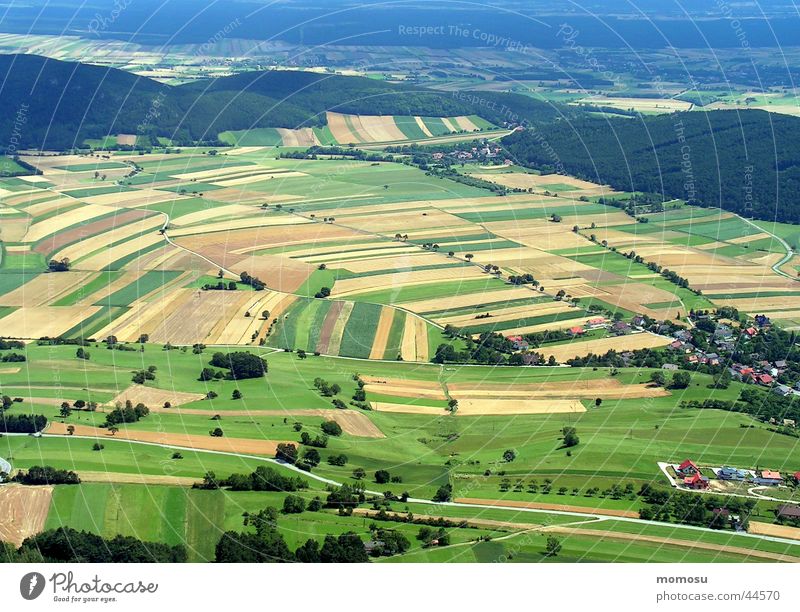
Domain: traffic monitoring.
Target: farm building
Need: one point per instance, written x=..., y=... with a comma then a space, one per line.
x=576, y=331
x=687, y=468
x=595, y=323
x=768, y=477
x=621, y=328
x=696, y=481
x=788, y=511
x=730, y=473
x=669, y=366
x=782, y=390
x=796, y=477
x=518, y=343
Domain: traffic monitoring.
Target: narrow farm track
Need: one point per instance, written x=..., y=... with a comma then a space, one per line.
x=490, y=505
x=776, y=267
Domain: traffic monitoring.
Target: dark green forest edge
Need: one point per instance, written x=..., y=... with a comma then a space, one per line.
x=745, y=162
x=98, y=101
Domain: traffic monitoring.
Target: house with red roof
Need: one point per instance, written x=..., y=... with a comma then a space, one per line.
x=576, y=331
x=768, y=477
x=697, y=481
x=764, y=379
x=751, y=331
x=687, y=468
x=796, y=477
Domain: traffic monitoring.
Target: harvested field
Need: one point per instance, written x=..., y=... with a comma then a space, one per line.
x=408, y=409
x=206, y=175
x=776, y=531
x=86, y=246
x=421, y=124
x=486, y=407
x=382, y=333
x=351, y=422
x=367, y=284
x=240, y=328
x=43, y=289
x=39, y=321
x=184, y=316
x=632, y=342
x=656, y=105
x=303, y=137
x=132, y=478
x=464, y=123
x=404, y=388
x=543, y=506
x=335, y=341
x=104, y=258
x=23, y=511
x=472, y=299
x=126, y=139
x=607, y=388
x=337, y=124
x=237, y=224
x=328, y=326
x=229, y=445
x=60, y=222
x=257, y=178
x=150, y=396
x=83, y=232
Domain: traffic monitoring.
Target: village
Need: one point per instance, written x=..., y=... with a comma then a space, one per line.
x=753, y=483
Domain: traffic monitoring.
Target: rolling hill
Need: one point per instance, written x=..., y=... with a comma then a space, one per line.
x=57, y=105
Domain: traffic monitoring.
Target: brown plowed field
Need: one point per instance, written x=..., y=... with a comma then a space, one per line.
x=23, y=511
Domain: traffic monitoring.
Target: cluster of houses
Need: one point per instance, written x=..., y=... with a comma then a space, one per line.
x=487, y=151
x=762, y=373
x=692, y=478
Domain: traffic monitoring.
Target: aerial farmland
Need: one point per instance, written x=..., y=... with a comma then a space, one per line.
x=521, y=345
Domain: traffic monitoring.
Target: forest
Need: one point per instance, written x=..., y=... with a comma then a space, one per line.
x=745, y=162
x=57, y=105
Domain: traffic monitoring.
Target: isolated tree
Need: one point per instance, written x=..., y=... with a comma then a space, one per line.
x=680, y=380
x=236, y=394
x=598, y=401
x=658, y=378
x=570, y=437
x=359, y=473
x=293, y=504
x=509, y=455
x=312, y=457
x=382, y=476
x=552, y=547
